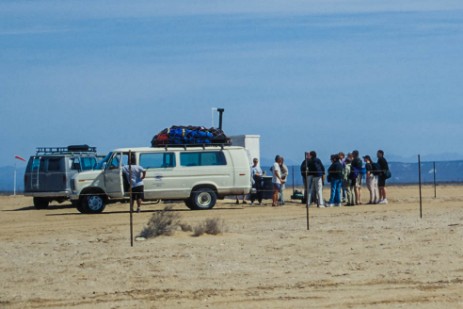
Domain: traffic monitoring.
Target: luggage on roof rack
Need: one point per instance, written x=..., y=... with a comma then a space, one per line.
x=190, y=136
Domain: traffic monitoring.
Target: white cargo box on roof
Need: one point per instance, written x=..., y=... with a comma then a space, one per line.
x=250, y=142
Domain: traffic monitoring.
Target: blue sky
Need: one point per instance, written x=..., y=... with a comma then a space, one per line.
x=324, y=75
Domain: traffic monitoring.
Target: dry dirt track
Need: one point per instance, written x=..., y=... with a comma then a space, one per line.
x=353, y=257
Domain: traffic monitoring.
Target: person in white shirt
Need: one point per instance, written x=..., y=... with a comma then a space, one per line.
x=284, y=176
x=257, y=182
x=135, y=174
x=276, y=180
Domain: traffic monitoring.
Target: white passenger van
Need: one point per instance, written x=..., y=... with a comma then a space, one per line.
x=197, y=175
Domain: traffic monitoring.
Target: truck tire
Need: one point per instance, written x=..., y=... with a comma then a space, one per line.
x=41, y=202
x=93, y=203
x=78, y=206
x=203, y=198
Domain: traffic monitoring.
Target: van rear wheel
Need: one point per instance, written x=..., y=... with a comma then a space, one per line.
x=93, y=204
x=202, y=198
x=41, y=203
x=189, y=203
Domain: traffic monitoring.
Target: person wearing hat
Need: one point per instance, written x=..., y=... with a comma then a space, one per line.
x=372, y=180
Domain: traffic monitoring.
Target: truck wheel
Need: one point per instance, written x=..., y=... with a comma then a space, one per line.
x=78, y=205
x=41, y=203
x=93, y=204
x=203, y=198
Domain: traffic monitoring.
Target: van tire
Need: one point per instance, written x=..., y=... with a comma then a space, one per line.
x=202, y=198
x=41, y=203
x=189, y=203
x=92, y=203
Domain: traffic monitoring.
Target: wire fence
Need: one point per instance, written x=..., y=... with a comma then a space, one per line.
x=433, y=175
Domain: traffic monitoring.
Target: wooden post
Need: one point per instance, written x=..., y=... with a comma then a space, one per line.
x=435, y=183
x=131, y=198
x=419, y=182
x=307, y=202
x=292, y=170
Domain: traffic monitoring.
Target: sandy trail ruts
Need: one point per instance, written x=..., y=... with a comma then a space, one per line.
x=367, y=256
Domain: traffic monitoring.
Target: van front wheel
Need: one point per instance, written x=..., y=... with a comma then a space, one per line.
x=93, y=204
x=203, y=198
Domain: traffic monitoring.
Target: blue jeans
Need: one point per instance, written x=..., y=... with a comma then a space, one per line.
x=336, y=185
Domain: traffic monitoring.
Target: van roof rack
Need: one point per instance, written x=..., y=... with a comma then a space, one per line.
x=71, y=149
x=186, y=146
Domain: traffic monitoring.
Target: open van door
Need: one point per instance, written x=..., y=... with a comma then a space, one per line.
x=113, y=177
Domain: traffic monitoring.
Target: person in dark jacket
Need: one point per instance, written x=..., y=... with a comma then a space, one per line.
x=306, y=179
x=384, y=168
x=356, y=167
x=335, y=179
x=317, y=171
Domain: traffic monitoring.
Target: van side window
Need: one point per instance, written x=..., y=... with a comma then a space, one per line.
x=202, y=158
x=87, y=163
x=75, y=164
x=157, y=160
x=54, y=164
x=117, y=158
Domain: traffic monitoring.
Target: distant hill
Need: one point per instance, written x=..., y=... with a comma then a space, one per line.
x=405, y=173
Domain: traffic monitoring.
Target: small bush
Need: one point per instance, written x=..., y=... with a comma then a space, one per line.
x=199, y=230
x=186, y=227
x=213, y=226
x=164, y=222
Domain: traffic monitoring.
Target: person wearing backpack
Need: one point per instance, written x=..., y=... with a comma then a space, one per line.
x=384, y=174
x=371, y=179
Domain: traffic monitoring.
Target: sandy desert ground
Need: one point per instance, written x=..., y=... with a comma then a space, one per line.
x=368, y=256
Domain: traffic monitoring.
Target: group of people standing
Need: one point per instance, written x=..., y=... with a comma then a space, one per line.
x=345, y=176
x=279, y=176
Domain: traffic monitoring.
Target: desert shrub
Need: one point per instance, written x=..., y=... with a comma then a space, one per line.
x=212, y=226
x=186, y=227
x=199, y=230
x=164, y=222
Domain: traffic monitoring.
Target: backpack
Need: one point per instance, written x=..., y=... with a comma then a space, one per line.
x=376, y=169
x=387, y=174
x=354, y=173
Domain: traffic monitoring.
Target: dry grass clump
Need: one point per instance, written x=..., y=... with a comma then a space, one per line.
x=212, y=226
x=164, y=222
x=186, y=227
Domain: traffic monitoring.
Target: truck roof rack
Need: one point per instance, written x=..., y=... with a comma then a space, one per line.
x=72, y=149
